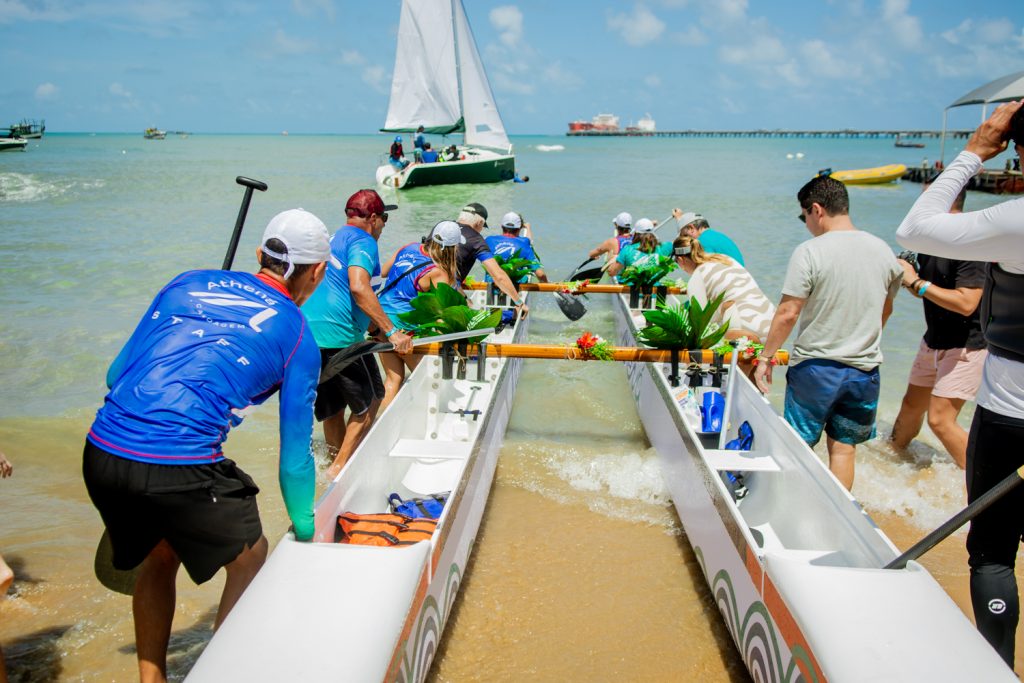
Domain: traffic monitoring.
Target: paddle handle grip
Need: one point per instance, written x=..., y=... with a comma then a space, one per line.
x=981, y=504
x=249, y=184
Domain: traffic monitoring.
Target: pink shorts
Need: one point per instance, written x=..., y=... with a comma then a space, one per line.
x=950, y=373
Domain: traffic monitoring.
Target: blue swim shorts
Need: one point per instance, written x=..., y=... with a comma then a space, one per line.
x=826, y=394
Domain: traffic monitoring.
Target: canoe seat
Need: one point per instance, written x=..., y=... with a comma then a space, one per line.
x=431, y=449
x=741, y=461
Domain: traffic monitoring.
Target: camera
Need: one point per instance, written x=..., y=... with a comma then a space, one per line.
x=911, y=258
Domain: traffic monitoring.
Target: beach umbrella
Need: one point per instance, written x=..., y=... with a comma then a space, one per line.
x=1005, y=89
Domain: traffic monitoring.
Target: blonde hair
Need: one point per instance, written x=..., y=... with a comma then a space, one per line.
x=646, y=242
x=446, y=258
x=697, y=253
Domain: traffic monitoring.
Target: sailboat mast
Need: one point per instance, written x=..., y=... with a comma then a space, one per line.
x=458, y=69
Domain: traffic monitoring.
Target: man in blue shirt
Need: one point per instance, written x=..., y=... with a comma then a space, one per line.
x=211, y=344
x=509, y=243
x=428, y=155
x=714, y=242
x=339, y=314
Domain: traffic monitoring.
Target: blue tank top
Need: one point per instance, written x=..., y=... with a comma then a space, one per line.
x=506, y=246
x=213, y=343
x=396, y=299
x=624, y=240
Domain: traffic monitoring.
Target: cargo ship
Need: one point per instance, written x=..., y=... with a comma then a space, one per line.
x=602, y=123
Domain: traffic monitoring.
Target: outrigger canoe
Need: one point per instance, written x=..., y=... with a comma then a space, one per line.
x=325, y=611
x=871, y=176
x=795, y=565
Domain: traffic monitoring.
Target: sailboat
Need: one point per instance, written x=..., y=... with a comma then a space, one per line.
x=440, y=83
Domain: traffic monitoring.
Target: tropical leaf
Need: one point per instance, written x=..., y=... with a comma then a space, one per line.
x=517, y=268
x=648, y=271
x=686, y=326
x=447, y=295
x=443, y=310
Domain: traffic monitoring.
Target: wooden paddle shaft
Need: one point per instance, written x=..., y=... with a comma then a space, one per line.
x=619, y=353
x=581, y=289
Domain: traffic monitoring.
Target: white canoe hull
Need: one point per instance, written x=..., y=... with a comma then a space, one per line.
x=794, y=567
x=324, y=611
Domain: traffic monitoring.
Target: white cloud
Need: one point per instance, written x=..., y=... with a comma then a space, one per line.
x=903, y=27
x=995, y=31
x=377, y=78
x=557, y=75
x=691, y=36
x=119, y=90
x=820, y=61
x=352, y=58
x=978, y=49
x=46, y=91
x=308, y=8
x=759, y=48
x=507, y=82
x=652, y=81
x=284, y=44
x=508, y=21
x=639, y=28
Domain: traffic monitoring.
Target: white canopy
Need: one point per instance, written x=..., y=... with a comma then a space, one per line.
x=1005, y=89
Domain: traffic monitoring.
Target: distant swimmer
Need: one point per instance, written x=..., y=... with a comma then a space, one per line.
x=623, y=227
x=212, y=344
x=840, y=285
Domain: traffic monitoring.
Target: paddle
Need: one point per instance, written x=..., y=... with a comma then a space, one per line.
x=343, y=359
x=123, y=581
x=959, y=519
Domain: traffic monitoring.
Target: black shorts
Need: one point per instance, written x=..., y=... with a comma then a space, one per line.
x=356, y=386
x=993, y=452
x=207, y=513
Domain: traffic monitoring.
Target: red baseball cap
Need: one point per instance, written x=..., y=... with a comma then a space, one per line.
x=366, y=202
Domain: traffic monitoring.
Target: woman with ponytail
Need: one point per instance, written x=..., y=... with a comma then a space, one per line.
x=745, y=307
x=416, y=268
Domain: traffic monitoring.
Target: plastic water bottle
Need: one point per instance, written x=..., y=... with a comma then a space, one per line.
x=690, y=410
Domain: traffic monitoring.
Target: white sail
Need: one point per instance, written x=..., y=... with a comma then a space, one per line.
x=483, y=122
x=425, y=89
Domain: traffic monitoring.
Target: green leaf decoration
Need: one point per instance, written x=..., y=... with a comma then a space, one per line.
x=517, y=268
x=443, y=310
x=686, y=326
x=647, y=271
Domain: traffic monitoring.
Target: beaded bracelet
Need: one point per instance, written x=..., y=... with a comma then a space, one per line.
x=924, y=288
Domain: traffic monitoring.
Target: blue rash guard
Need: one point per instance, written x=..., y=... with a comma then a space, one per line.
x=396, y=299
x=506, y=247
x=211, y=344
x=623, y=240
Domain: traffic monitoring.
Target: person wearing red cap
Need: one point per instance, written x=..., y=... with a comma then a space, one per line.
x=339, y=315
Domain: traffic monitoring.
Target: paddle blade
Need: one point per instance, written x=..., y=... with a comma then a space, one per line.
x=593, y=273
x=570, y=305
x=115, y=579
x=349, y=355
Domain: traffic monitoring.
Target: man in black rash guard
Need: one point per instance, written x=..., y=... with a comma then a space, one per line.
x=994, y=447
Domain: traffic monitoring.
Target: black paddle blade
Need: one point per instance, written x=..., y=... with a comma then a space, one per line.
x=571, y=305
x=350, y=354
x=593, y=273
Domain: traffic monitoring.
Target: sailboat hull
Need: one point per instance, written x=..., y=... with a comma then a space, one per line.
x=487, y=167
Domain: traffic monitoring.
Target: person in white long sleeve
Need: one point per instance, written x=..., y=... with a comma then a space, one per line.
x=995, y=236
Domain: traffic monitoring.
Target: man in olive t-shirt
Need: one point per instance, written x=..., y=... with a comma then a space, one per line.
x=840, y=285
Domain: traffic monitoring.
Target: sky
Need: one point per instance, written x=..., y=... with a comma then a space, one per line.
x=324, y=66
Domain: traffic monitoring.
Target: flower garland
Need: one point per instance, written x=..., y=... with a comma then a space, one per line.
x=748, y=350
x=573, y=286
x=593, y=347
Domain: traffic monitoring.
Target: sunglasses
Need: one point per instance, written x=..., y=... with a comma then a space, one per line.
x=384, y=217
x=803, y=218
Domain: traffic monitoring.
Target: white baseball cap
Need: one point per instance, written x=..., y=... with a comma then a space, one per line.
x=644, y=225
x=305, y=238
x=689, y=217
x=623, y=220
x=512, y=221
x=448, y=234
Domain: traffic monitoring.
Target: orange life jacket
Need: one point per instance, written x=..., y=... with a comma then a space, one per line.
x=384, y=529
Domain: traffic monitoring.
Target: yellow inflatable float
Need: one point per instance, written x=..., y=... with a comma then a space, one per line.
x=871, y=176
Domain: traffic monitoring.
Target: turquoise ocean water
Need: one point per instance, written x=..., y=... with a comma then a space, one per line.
x=94, y=225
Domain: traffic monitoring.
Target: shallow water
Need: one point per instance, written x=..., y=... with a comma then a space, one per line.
x=581, y=570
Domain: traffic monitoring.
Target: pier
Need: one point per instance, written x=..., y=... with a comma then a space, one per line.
x=993, y=182
x=865, y=134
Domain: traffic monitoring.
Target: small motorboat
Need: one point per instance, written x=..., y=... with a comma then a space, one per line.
x=871, y=176
x=13, y=144
x=900, y=142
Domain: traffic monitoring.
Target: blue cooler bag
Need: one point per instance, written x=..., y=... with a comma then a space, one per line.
x=430, y=507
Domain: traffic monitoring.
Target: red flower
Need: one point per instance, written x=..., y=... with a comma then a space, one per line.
x=587, y=341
